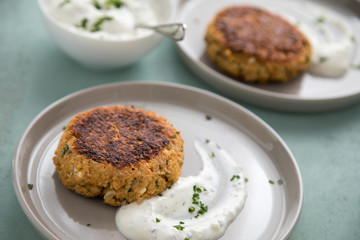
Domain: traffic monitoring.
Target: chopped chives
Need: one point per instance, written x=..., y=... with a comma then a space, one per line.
x=323, y=59
x=320, y=19
x=179, y=227
x=63, y=3
x=100, y=21
x=65, y=149
x=235, y=177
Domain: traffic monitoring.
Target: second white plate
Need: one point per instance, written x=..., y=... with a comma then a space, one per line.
x=306, y=93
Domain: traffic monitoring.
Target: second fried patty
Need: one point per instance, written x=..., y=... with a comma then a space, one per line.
x=256, y=45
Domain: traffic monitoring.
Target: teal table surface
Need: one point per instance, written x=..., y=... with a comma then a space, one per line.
x=34, y=73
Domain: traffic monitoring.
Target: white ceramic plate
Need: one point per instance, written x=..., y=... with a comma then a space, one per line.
x=270, y=212
x=304, y=93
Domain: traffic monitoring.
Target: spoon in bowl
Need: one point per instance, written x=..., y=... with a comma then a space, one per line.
x=175, y=31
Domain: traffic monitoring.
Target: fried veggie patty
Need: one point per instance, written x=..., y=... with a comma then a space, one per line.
x=256, y=46
x=121, y=154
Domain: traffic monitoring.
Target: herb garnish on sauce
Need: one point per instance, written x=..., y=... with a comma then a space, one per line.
x=99, y=22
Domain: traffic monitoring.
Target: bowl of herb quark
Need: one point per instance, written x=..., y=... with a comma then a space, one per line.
x=102, y=34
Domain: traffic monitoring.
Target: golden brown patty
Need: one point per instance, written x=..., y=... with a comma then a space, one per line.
x=255, y=45
x=122, y=154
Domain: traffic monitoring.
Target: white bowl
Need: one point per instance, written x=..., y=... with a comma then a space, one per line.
x=105, y=54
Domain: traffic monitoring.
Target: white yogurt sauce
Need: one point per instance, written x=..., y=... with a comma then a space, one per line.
x=331, y=38
x=121, y=25
x=224, y=196
x=332, y=43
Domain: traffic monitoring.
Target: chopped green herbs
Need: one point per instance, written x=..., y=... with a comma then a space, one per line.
x=320, y=19
x=63, y=3
x=235, y=177
x=353, y=39
x=208, y=117
x=108, y=4
x=99, y=22
x=181, y=222
x=88, y=225
x=83, y=23
x=212, y=155
x=246, y=180
x=65, y=149
x=280, y=181
x=323, y=59
x=196, y=200
x=179, y=227
x=30, y=186
x=115, y=3
x=207, y=140
x=198, y=189
x=186, y=238
x=64, y=127
x=157, y=220
x=97, y=4
x=203, y=209
x=356, y=66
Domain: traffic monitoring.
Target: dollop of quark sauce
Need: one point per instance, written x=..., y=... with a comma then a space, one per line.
x=331, y=37
x=105, y=19
x=195, y=207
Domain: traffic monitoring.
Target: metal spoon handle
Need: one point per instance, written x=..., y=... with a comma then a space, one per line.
x=175, y=31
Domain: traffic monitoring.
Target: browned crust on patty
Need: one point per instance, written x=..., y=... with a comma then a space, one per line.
x=120, y=135
x=256, y=45
x=259, y=33
x=121, y=154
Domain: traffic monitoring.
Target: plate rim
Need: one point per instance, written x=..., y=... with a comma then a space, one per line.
x=308, y=104
x=16, y=158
